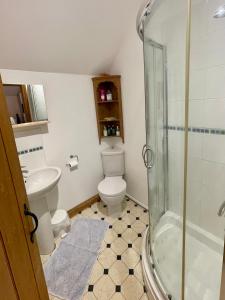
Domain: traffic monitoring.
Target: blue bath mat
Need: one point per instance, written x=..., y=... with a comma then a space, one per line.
x=68, y=269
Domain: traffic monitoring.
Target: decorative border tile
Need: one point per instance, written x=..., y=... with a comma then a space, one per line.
x=30, y=150
x=198, y=129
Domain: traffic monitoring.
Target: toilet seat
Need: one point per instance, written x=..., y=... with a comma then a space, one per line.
x=112, y=186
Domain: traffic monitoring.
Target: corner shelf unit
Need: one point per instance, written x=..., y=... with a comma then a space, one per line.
x=108, y=109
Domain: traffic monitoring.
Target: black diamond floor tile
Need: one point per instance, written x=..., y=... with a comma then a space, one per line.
x=106, y=271
x=118, y=289
x=131, y=271
x=90, y=288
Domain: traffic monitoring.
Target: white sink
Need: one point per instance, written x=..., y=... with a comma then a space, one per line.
x=38, y=184
x=41, y=181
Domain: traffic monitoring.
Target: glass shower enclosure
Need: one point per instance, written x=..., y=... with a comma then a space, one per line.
x=185, y=150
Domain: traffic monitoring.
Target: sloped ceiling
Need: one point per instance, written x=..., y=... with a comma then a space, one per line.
x=68, y=36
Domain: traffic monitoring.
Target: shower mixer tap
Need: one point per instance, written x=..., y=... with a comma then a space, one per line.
x=221, y=210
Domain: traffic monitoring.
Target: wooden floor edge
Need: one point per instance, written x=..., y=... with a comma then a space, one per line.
x=75, y=210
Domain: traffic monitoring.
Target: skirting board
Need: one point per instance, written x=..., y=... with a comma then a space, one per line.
x=75, y=210
x=138, y=202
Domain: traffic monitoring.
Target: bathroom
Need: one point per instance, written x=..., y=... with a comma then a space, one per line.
x=163, y=64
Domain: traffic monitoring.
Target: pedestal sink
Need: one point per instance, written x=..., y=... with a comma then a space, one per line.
x=38, y=184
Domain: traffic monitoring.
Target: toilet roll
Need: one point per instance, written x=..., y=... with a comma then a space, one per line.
x=73, y=163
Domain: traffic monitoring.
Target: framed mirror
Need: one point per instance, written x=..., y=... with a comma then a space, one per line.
x=26, y=103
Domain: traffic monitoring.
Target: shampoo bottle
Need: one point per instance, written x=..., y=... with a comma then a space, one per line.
x=102, y=95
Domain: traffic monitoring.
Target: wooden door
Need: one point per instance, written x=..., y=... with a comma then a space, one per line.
x=21, y=274
x=222, y=287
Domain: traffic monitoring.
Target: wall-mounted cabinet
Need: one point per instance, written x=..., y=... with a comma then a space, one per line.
x=108, y=104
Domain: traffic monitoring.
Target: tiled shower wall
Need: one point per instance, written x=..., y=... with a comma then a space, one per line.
x=206, y=156
x=207, y=109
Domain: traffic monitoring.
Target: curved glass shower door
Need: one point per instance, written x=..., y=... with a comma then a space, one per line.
x=164, y=58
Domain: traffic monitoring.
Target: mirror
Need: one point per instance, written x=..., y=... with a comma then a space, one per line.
x=26, y=103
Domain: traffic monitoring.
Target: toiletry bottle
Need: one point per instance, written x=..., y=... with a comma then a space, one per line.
x=113, y=130
x=18, y=121
x=117, y=131
x=105, y=133
x=102, y=95
x=109, y=130
x=109, y=95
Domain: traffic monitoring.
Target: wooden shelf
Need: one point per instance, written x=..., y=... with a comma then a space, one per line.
x=24, y=126
x=110, y=136
x=108, y=102
x=109, y=121
x=106, y=109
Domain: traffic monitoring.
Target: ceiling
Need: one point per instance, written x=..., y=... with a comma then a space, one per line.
x=68, y=36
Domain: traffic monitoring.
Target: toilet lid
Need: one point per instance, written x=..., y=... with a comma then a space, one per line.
x=112, y=186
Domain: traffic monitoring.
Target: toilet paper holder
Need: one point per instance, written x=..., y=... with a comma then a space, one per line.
x=74, y=156
x=71, y=157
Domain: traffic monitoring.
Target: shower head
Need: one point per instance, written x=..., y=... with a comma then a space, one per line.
x=220, y=12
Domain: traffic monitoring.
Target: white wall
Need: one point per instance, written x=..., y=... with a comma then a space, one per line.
x=13, y=105
x=72, y=129
x=129, y=63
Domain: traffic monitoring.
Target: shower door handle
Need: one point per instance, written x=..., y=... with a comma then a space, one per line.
x=221, y=210
x=143, y=150
x=146, y=151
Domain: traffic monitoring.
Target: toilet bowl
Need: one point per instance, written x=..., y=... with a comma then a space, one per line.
x=112, y=191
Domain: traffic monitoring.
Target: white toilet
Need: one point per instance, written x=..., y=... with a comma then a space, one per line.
x=112, y=188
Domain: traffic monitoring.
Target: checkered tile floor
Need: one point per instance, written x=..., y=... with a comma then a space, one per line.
x=117, y=273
